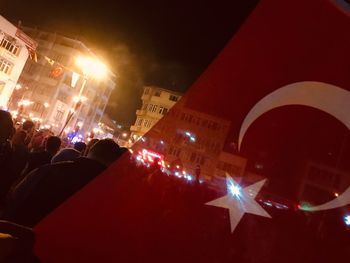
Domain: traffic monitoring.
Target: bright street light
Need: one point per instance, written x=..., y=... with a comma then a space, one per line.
x=46, y=105
x=91, y=67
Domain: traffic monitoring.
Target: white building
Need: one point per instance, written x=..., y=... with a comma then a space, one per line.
x=156, y=102
x=14, y=52
x=52, y=97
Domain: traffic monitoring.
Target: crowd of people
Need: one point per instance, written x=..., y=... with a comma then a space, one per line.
x=39, y=171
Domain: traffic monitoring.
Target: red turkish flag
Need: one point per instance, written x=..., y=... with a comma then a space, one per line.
x=278, y=92
x=56, y=72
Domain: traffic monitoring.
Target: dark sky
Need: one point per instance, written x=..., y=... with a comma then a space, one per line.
x=167, y=43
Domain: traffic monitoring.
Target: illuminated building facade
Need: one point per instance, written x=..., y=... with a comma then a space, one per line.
x=156, y=102
x=14, y=51
x=50, y=85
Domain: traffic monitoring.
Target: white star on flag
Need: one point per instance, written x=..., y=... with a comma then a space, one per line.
x=240, y=201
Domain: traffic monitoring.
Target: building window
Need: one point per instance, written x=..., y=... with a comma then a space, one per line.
x=147, y=123
x=9, y=46
x=139, y=122
x=146, y=91
x=173, y=98
x=38, y=107
x=5, y=66
x=174, y=151
x=152, y=108
x=162, y=110
x=157, y=93
x=59, y=115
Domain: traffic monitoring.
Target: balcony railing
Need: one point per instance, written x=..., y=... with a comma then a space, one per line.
x=135, y=128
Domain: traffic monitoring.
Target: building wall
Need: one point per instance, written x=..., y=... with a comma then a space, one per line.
x=13, y=56
x=41, y=87
x=232, y=164
x=321, y=183
x=188, y=139
x=156, y=102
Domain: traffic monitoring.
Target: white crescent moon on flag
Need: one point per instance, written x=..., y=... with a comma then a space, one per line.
x=322, y=96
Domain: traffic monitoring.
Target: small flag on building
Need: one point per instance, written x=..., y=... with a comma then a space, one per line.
x=56, y=72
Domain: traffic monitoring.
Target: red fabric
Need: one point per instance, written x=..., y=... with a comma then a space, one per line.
x=117, y=219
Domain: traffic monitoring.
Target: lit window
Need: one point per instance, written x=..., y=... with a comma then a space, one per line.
x=152, y=108
x=5, y=66
x=147, y=123
x=37, y=107
x=9, y=46
x=173, y=98
x=162, y=110
x=139, y=122
x=59, y=115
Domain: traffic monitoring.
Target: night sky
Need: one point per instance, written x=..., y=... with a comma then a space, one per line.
x=167, y=43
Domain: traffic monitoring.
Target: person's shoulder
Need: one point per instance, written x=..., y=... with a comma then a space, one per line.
x=59, y=165
x=69, y=150
x=34, y=154
x=88, y=164
x=54, y=167
x=51, y=171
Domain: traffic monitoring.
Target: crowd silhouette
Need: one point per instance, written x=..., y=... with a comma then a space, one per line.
x=38, y=172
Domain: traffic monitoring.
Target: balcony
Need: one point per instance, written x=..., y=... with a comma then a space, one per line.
x=141, y=112
x=7, y=54
x=135, y=128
